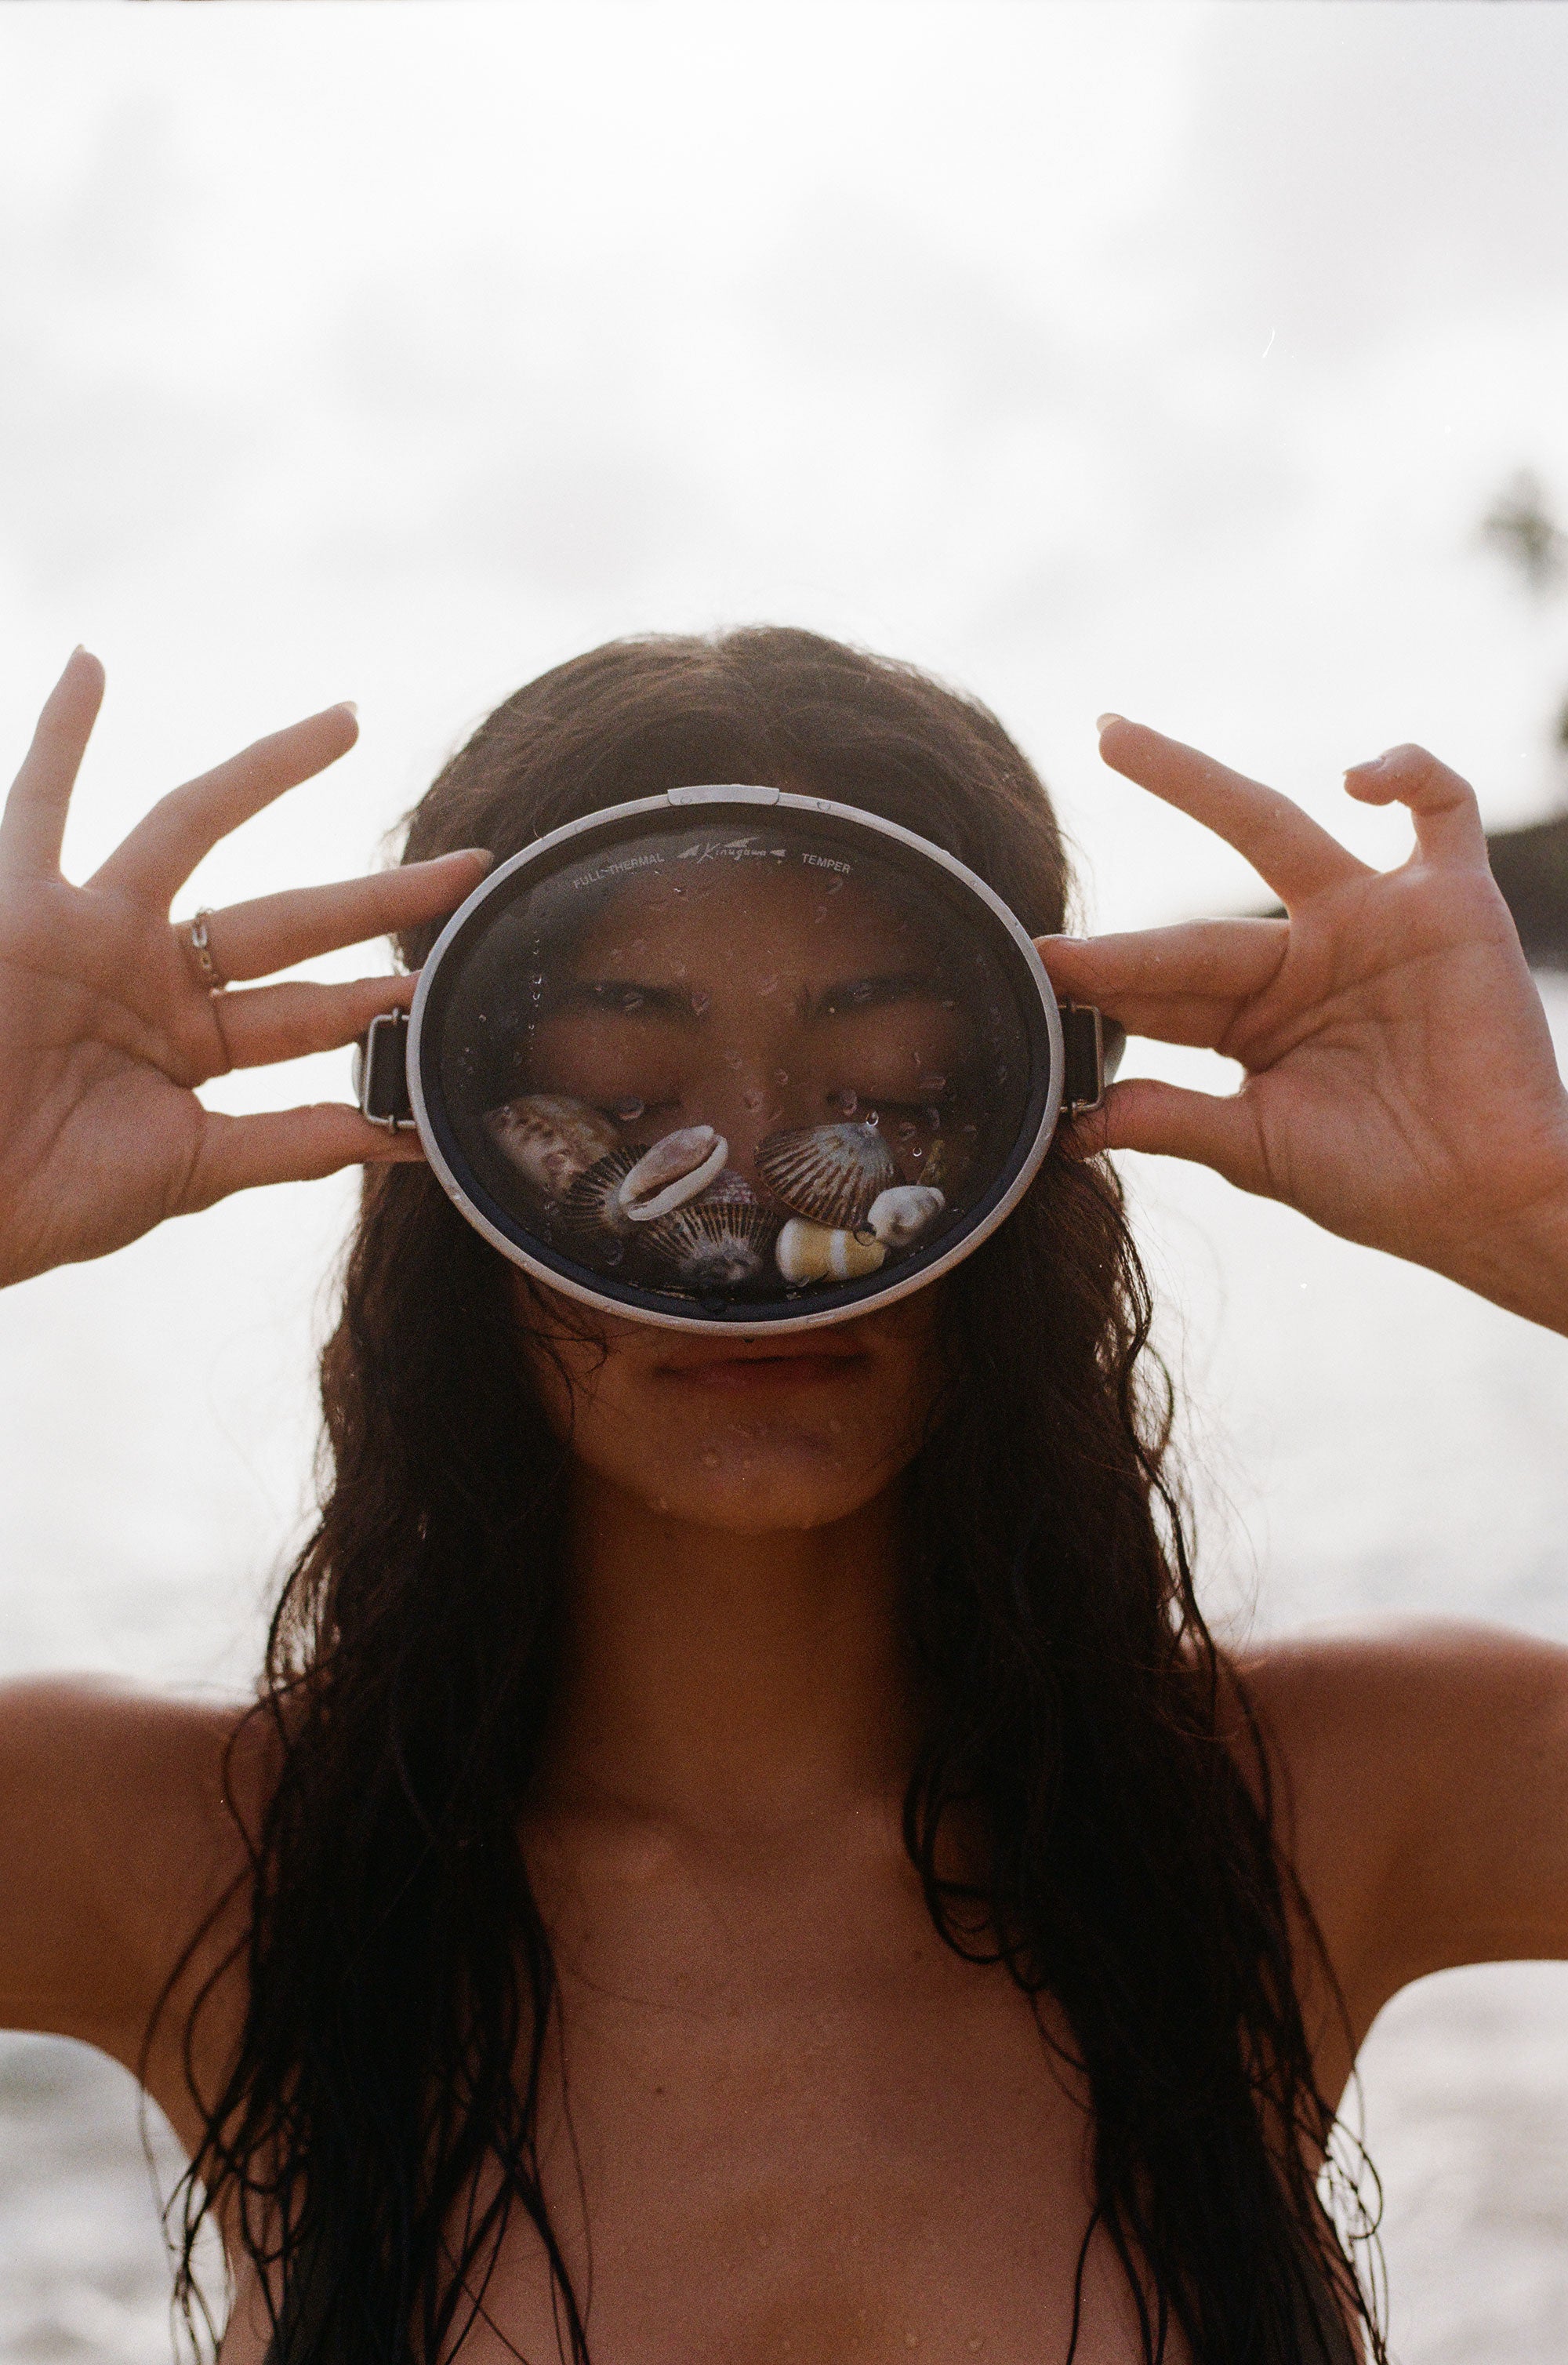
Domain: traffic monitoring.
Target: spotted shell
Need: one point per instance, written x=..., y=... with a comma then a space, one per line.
x=550, y=1139
x=592, y=1208
x=897, y=1218
x=829, y=1173
x=717, y=1240
x=808, y=1251
x=675, y=1170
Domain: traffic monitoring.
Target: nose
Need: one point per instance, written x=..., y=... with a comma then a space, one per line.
x=750, y=1098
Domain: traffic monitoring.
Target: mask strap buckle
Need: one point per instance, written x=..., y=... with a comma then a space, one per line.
x=1091, y=1052
x=381, y=1073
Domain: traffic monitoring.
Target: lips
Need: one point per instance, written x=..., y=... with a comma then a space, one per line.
x=759, y=1364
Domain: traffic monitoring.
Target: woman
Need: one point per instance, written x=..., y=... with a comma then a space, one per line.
x=752, y=1853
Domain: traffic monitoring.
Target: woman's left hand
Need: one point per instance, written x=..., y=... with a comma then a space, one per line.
x=1401, y=1087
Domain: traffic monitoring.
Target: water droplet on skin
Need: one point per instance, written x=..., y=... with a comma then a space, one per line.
x=933, y=1119
x=731, y=1059
x=848, y=1101
x=628, y=1109
x=767, y=985
x=632, y=1001
x=934, y=1083
x=754, y=1099
x=710, y=1460
x=781, y=1075
x=700, y=1002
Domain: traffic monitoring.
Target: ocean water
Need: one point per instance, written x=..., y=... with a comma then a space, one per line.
x=1365, y=1442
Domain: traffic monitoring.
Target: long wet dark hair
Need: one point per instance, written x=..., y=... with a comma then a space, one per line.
x=377, y=2126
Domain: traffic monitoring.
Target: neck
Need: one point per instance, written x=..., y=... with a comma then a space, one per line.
x=728, y=1681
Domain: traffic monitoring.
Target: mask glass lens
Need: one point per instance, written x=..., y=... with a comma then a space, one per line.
x=740, y=1066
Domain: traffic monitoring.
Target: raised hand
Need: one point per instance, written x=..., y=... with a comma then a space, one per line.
x=107, y=1025
x=1400, y=1086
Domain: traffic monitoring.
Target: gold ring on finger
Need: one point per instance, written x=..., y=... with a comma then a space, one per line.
x=212, y=977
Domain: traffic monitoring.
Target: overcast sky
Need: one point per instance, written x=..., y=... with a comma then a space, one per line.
x=1160, y=358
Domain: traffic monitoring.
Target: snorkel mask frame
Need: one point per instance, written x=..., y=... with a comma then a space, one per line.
x=393, y=1088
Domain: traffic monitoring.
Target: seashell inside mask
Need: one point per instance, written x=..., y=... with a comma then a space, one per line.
x=829, y=1173
x=898, y=1216
x=717, y=1240
x=672, y=1172
x=808, y=1251
x=550, y=1139
x=592, y=1206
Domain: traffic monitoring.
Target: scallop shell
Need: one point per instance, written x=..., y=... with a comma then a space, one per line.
x=808, y=1251
x=675, y=1170
x=829, y=1173
x=718, y=1241
x=550, y=1139
x=899, y=1217
x=592, y=1206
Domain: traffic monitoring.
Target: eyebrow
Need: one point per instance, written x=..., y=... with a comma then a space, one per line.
x=628, y=996
x=622, y=997
x=874, y=992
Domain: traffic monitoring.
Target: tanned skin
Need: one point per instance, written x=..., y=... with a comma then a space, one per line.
x=806, y=2130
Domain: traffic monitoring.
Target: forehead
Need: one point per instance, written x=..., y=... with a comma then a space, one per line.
x=756, y=914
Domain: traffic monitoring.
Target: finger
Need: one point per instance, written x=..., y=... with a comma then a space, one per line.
x=34, y=823
x=274, y=931
x=289, y=1022
x=1285, y=847
x=1169, y=1121
x=1181, y=984
x=297, y=1145
x=163, y=849
x=1442, y=806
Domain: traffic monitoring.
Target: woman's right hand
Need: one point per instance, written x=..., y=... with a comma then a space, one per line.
x=108, y=1025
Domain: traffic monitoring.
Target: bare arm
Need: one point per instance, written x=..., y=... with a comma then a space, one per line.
x=113, y=1834
x=1424, y=1793
x=1400, y=1089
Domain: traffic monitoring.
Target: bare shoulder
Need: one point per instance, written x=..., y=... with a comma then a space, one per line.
x=118, y=1838
x=1421, y=1776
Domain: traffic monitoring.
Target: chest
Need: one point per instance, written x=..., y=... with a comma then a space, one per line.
x=789, y=2123
x=797, y=2128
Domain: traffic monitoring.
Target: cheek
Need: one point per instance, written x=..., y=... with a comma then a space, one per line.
x=750, y=1460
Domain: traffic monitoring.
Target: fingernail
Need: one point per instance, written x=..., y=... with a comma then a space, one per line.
x=350, y=706
x=478, y=854
x=1103, y=722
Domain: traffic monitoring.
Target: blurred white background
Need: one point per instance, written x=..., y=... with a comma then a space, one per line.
x=1163, y=358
